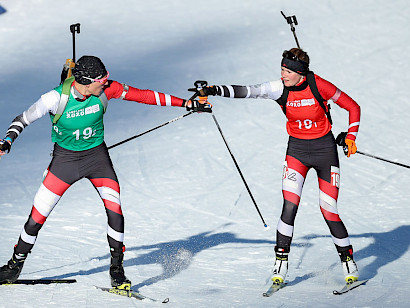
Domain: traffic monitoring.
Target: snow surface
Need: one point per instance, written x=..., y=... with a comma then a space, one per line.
x=192, y=231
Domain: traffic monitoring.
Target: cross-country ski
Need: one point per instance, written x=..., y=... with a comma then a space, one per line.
x=349, y=287
x=39, y=281
x=132, y=294
x=275, y=287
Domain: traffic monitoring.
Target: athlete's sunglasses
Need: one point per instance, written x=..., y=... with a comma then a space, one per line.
x=101, y=80
x=288, y=55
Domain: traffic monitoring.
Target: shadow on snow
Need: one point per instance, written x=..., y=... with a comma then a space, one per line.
x=386, y=248
x=174, y=257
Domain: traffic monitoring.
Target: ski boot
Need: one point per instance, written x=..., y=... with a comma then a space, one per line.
x=349, y=266
x=10, y=272
x=118, y=279
x=281, y=265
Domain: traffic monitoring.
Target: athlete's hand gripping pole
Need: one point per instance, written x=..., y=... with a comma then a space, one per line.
x=340, y=140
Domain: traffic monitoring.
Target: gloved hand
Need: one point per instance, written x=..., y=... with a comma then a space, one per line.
x=209, y=90
x=198, y=106
x=202, y=88
x=5, y=145
x=349, y=145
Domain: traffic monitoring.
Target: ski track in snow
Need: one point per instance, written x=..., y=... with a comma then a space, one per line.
x=192, y=231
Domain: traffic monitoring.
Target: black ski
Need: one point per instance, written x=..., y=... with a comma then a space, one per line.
x=39, y=281
x=130, y=293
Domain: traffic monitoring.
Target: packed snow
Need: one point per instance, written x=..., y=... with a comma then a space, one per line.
x=192, y=232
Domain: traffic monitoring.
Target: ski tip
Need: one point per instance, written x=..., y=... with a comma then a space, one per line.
x=165, y=300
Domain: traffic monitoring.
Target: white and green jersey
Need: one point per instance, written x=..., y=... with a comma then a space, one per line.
x=81, y=125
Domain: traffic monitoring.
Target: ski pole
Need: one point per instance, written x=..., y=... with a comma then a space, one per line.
x=240, y=173
x=292, y=20
x=199, y=85
x=340, y=140
x=383, y=159
x=150, y=130
x=156, y=127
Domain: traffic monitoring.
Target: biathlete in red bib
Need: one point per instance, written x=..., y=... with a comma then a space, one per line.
x=311, y=145
x=80, y=152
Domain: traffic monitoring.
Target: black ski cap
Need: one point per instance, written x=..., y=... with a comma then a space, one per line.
x=90, y=67
x=292, y=62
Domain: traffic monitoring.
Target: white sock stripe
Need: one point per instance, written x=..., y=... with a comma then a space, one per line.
x=30, y=239
x=118, y=236
x=45, y=200
x=285, y=229
x=157, y=100
x=327, y=199
x=354, y=124
x=341, y=242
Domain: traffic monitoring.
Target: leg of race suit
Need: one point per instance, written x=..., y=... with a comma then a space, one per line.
x=294, y=174
x=329, y=179
x=100, y=171
x=109, y=191
x=45, y=200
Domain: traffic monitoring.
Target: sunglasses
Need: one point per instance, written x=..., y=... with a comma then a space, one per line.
x=101, y=80
x=288, y=55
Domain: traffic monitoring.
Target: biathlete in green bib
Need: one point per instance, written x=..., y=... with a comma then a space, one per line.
x=76, y=110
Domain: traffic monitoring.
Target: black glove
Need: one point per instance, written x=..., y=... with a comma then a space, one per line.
x=196, y=106
x=340, y=140
x=202, y=88
x=5, y=146
x=206, y=91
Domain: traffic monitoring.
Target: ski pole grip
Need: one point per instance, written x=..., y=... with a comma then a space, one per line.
x=200, y=84
x=75, y=28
